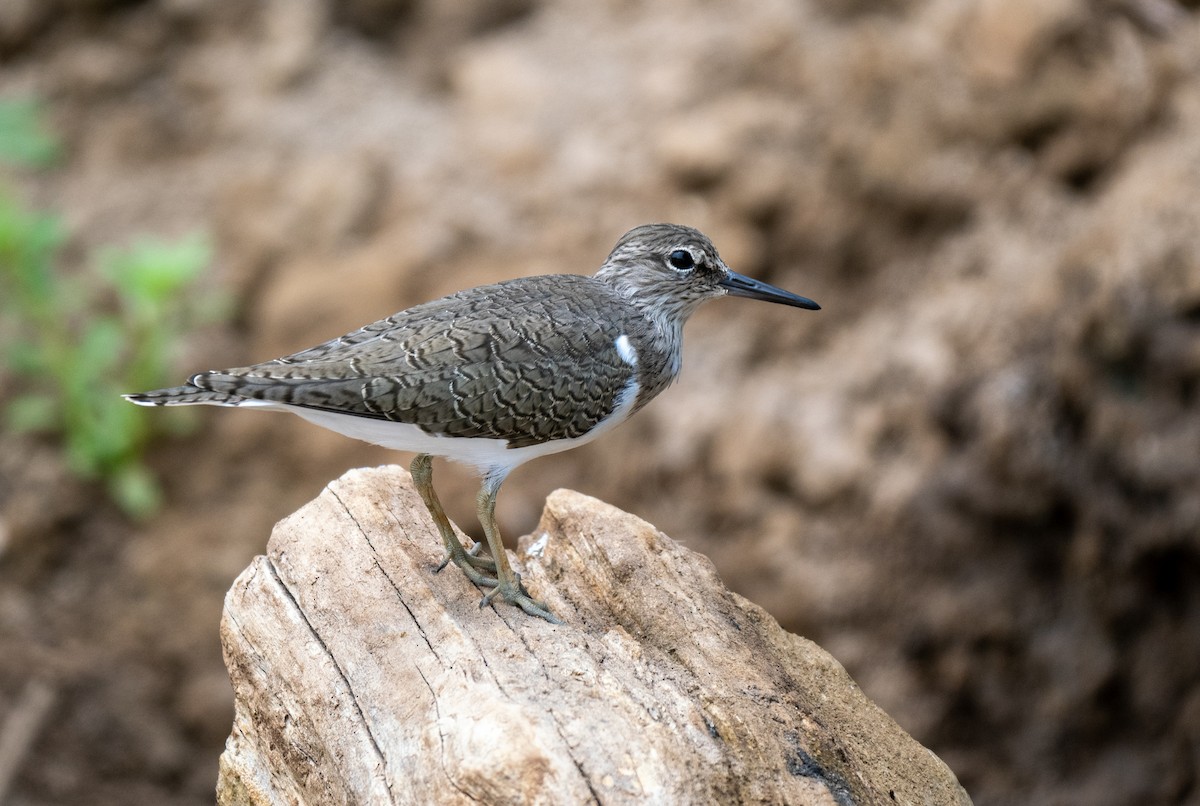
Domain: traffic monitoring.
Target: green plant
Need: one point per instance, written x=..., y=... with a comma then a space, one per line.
x=25, y=139
x=72, y=341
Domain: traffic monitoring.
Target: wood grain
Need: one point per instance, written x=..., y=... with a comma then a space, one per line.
x=363, y=677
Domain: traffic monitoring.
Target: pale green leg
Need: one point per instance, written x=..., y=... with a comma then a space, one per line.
x=508, y=587
x=422, y=473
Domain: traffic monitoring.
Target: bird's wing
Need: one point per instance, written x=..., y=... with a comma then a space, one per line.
x=521, y=361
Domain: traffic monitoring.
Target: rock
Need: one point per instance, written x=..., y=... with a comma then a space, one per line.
x=363, y=677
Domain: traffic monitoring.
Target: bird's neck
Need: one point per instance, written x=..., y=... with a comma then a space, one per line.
x=661, y=338
x=663, y=310
x=666, y=336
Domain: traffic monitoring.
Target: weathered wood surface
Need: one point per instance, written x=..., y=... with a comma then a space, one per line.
x=363, y=677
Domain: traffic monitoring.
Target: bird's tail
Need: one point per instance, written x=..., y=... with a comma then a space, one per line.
x=186, y=395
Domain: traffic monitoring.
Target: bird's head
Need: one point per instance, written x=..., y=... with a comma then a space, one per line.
x=670, y=269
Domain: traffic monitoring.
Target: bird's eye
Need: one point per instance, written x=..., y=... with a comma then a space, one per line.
x=681, y=260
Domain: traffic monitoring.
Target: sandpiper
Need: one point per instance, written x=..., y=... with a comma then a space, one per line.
x=500, y=374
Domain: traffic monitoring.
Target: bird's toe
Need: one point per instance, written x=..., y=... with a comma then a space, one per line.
x=515, y=593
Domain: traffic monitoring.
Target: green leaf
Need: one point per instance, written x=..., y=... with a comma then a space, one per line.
x=27, y=238
x=25, y=139
x=99, y=349
x=32, y=412
x=28, y=243
x=135, y=490
x=104, y=432
x=25, y=358
x=151, y=271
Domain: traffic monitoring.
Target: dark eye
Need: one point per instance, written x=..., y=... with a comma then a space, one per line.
x=681, y=259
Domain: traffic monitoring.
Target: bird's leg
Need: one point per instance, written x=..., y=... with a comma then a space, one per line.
x=508, y=587
x=422, y=473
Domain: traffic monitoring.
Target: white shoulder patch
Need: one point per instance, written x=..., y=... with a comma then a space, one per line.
x=626, y=350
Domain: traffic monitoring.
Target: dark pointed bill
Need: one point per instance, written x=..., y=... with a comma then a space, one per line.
x=739, y=285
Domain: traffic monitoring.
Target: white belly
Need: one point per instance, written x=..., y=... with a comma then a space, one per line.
x=488, y=456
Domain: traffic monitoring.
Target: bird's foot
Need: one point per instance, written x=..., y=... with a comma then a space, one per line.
x=470, y=562
x=470, y=556
x=513, y=592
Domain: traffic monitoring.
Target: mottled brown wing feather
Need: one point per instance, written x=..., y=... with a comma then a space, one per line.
x=527, y=360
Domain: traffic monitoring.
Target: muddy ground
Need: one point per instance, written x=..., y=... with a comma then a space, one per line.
x=974, y=477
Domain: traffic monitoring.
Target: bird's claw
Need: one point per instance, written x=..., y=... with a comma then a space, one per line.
x=468, y=557
x=470, y=564
x=515, y=593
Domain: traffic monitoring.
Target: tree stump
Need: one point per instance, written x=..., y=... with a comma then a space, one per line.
x=363, y=677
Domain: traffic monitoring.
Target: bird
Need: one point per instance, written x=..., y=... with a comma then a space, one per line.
x=497, y=375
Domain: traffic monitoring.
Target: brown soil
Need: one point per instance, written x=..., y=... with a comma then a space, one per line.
x=974, y=477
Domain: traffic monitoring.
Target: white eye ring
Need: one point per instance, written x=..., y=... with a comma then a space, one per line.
x=682, y=261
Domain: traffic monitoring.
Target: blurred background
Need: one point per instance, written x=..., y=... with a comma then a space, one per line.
x=974, y=477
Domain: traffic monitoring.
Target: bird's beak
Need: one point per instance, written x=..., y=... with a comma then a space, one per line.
x=739, y=285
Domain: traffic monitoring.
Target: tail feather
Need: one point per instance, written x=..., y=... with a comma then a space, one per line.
x=186, y=395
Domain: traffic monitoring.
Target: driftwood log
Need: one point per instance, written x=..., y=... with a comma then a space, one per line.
x=363, y=677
